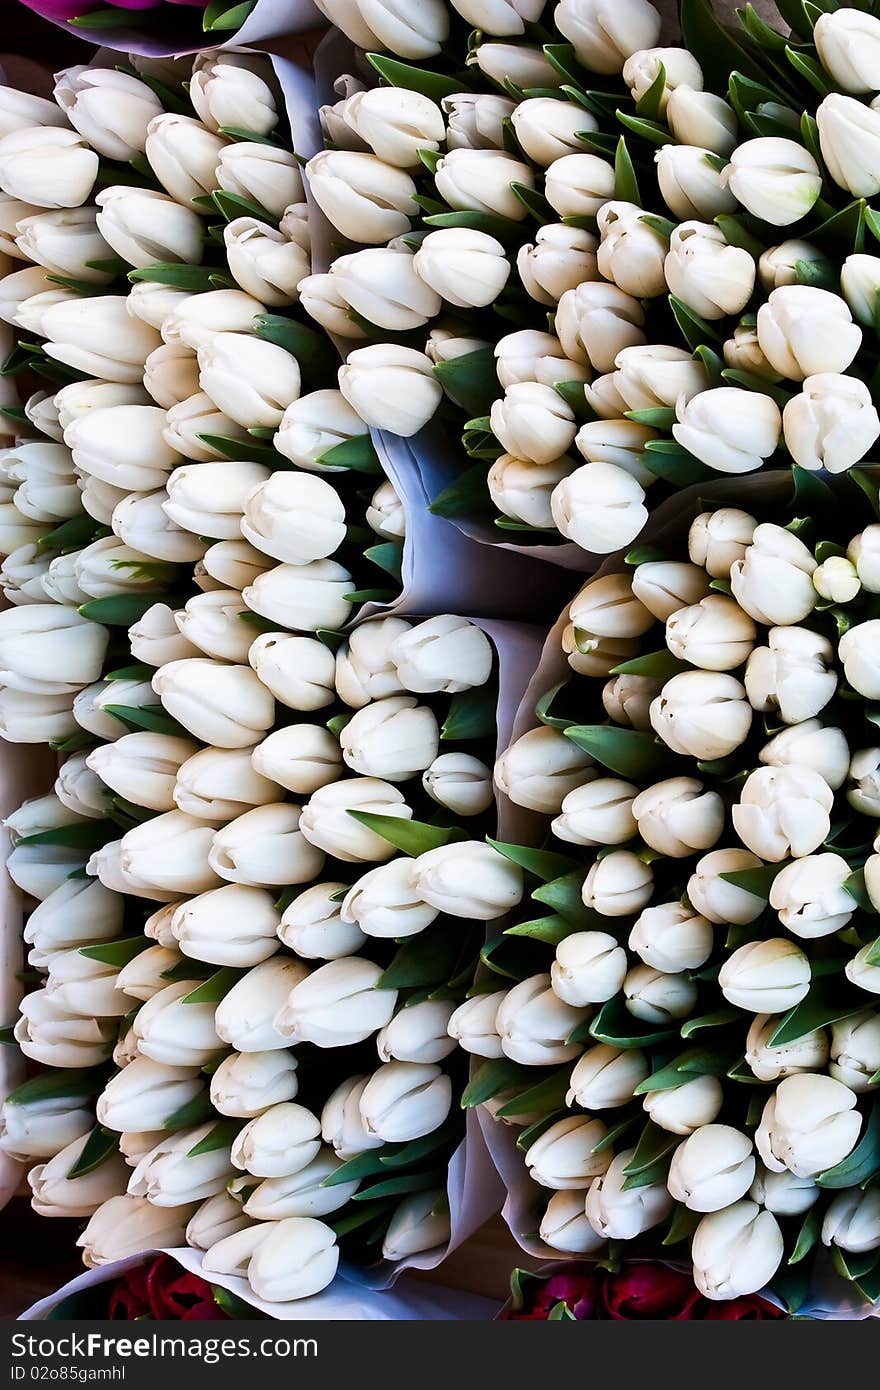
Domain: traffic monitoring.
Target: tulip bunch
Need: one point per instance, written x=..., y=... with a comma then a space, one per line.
x=693, y=1041
x=606, y=294
x=239, y=1045
x=127, y=15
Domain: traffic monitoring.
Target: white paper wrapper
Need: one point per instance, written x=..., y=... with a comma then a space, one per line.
x=343, y=1301
x=269, y=20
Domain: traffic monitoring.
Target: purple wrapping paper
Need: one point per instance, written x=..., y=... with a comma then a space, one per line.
x=270, y=19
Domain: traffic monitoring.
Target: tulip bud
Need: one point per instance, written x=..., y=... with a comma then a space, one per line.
x=712, y=1168
x=175, y=1032
x=701, y=714
x=300, y=757
x=145, y=227
x=534, y=1024
x=717, y=539
x=848, y=138
x=736, y=1251
x=184, y=155
x=618, y=1212
x=315, y=424
x=326, y=823
x=197, y=317
x=265, y=847
x=539, y=769
x=232, y=90
x=595, y=322
x=445, y=653
x=249, y=379
x=655, y=375
x=831, y=424
x=168, y=855
x=80, y=912
x=767, y=976
x=42, y=412
x=63, y=242
x=599, y=812
x=41, y=1128
x=404, y=1101
x=209, y=498
x=790, y=676
x=54, y=1194
x=672, y=938
x=703, y=428
x=297, y=1258
x=381, y=285
x=217, y=1217
x=142, y=767
x=773, y=581
x=714, y=634
x=532, y=422
x=235, y=712
x=23, y=111
x=126, y=1225
x=391, y=387
x=859, y=285
x=392, y=738
x=678, y=816
x=364, y=198
x=631, y=253
x=848, y=49
x=244, y=1018
x=294, y=517
x=365, y=665
x=246, y=1084
x=558, y=260
x=263, y=262
x=466, y=268
x=599, y=506
x=417, y=1033
x=386, y=514
x=710, y=276
x=810, y=744
x=589, y=968
x=472, y=1025
x=701, y=118
x=807, y=1053
x=564, y=1156
x=468, y=879
x=775, y=179
x=171, y=1175
x=339, y=1004
x=480, y=181
x=717, y=900
x=314, y=928
x=857, y=654
x=655, y=997
x=47, y=166
x=232, y=926
x=27, y=633
x=852, y=1221
x=279, y=1141
x=808, y=1125
x=804, y=331
x=627, y=700
x=460, y=782
x=564, y=1225
x=155, y=638
x=547, y=129
x=687, y=1108
x=605, y=35
x=99, y=337
x=299, y=671
x=605, y=1077
x=520, y=63
x=810, y=895
x=783, y=812
x=145, y=1094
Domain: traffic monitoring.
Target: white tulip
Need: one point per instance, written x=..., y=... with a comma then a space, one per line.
x=177, y=1033
x=599, y=812
x=314, y=928
x=547, y=129
x=293, y=517
x=690, y=184
x=143, y=976
x=77, y=649
x=445, y=653
x=849, y=49
x=791, y=676
x=299, y=1194
x=539, y=769
x=419, y=1223
x=836, y=579
x=678, y=816
x=142, y=767
x=472, y=1025
x=558, y=260
x=196, y=317
x=701, y=118
x=232, y=926
x=849, y=138
x=297, y=1258
x=859, y=971
x=145, y=1094
x=775, y=179
x=223, y=705
x=342, y=1124
x=299, y=671
x=145, y=227
x=23, y=111
x=855, y=1050
x=249, y=379
x=96, y=335
x=810, y=895
x=391, y=387
x=710, y=276
x=315, y=424
x=245, y=1084
x=773, y=581
x=381, y=285
x=125, y=1225
x=184, y=155
x=467, y=269
x=169, y=855
x=54, y=1194
x=405, y=1100
x=808, y=1053
x=564, y=1225
x=804, y=331
x=605, y=1077
x=43, y=1127
x=366, y=668
x=595, y=322
x=209, y=498
x=264, y=262
x=859, y=285
x=618, y=885
x=339, y=1004
x=468, y=879
x=394, y=124
x=783, y=812
x=80, y=912
x=589, y=968
x=299, y=757
x=656, y=997
x=736, y=1251
x=155, y=638
x=266, y=847
x=703, y=428
x=714, y=1167
x=811, y=744
x=564, y=1156
x=231, y=565
x=534, y=1024
x=392, y=738
x=475, y=120
x=327, y=824
x=245, y=1016
x=523, y=64
x=81, y=397
x=852, y=1221
x=718, y=900
x=63, y=241
x=620, y=1213
x=234, y=90
x=701, y=714
x=47, y=166
x=364, y=198
x=417, y=1033
x=480, y=181
x=687, y=1108
x=604, y=35
x=600, y=506
x=153, y=303
x=831, y=424
x=460, y=782
x=768, y=976
x=281, y=1140
x=808, y=1125
x=217, y=1217
x=856, y=651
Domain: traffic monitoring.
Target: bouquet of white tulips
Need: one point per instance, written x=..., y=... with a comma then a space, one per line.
x=238, y=995
x=691, y=1049
x=608, y=269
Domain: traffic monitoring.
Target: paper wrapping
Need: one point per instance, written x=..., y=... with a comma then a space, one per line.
x=269, y=20
x=343, y=1301
x=525, y=1200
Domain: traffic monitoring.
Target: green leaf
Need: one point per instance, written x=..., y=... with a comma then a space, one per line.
x=406, y=1182
x=493, y=1077
x=221, y=17
x=119, y=610
x=139, y=672
x=74, y=534
x=655, y=1144
x=545, y=704
x=504, y=228
x=827, y=1001
x=572, y=392
x=550, y=930
x=717, y=51
x=718, y=1018
x=86, y=835
x=631, y=753
x=864, y=1161
x=150, y=717
x=659, y=665
x=472, y=714
x=658, y=417
x=646, y=130
x=694, y=330
x=431, y=958
x=544, y=1098
x=397, y=74
x=363, y=1165
x=650, y=103
x=412, y=837
x=388, y=556
x=810, y=69
x=315, y=354
x=544, y=864
x=101, y=1144
x=763, y=35
x=470, y=380
x=756, y=881
x=682, y=1226
x=564, y=896
x=467, y=496
x=231, y=205
x=405, y=1155
x=220, y=1137
x=808, y=1234
x=846, y=227
x=113, y=17
x=626, y=185
x=241, y=450
x=194, y=1112
x=62, y=1083
x=192, y=278
x=215, y=988
x=614, y=1024
x=668, y=460
x=697, y=1061
x=736, y=234
x=117, y=953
